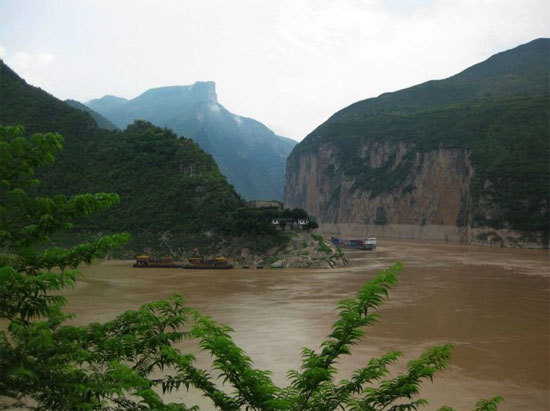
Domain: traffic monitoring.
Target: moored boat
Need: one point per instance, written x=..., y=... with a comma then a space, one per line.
x=201, y=263
x=146, y=261
x=361, y=244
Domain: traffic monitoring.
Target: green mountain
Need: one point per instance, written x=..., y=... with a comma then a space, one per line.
x=101, y=121
x=173, y=196
x=469, y=152
x=250, y=155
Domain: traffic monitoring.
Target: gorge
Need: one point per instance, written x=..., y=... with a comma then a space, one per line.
x=463, y=159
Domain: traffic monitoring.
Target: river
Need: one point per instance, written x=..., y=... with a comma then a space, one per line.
x=491, y=303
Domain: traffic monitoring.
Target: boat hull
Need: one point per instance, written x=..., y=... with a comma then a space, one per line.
x=354, y=244
x=207, y=267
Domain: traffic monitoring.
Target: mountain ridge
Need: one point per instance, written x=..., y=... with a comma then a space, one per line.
x=250, y=154
x=363, y=166
x=173, y=196
x=101, y=121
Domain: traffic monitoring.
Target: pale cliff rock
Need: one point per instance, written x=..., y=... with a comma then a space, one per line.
x=432, y=201
x=459, y=159
x=435, y=192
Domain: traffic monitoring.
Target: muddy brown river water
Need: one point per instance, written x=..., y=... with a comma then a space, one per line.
x=492, y=304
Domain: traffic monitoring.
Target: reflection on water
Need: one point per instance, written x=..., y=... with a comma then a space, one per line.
x=492, y=304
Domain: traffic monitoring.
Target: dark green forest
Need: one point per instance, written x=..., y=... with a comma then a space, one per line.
x=172, y=194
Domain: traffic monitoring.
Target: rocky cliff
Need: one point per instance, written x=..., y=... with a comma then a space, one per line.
x=455, y=167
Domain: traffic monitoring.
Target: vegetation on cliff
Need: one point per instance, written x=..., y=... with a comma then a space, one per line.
x=172, y=194
x=497, y=110
x=127, y=362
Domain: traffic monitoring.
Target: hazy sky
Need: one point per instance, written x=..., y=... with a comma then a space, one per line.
x=287, y=63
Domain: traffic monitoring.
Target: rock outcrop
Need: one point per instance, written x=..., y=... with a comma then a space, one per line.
x=304, y=250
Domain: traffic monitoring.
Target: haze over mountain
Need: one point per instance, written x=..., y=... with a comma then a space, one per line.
x=249, y=154
x=101, y=121
x=459, y=159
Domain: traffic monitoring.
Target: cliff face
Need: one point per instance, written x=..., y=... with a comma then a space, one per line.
x=436, y=161
x=435, y=192
x=433, y=202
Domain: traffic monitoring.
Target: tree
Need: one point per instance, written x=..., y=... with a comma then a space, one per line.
x=45, y=363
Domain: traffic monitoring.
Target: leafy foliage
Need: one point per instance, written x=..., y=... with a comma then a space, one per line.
x=46, y=364
x=322, y=245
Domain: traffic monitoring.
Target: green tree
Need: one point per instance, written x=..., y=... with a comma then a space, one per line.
x=46, y=364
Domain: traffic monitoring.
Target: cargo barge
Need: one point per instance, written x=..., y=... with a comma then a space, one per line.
x=146, y=261
x=201, y=263
x=356, y=244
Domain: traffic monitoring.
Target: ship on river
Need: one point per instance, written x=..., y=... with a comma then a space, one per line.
x=201, y=263
x=146, y=261
x=357, y=244
x=195, y=262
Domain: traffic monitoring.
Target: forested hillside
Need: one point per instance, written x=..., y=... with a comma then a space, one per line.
x=248, y=153
x=486, y=128
x=173, y=196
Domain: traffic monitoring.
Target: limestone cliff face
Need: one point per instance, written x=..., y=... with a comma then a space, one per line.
x=436, y=191
x=432, y=202
x=459, y=159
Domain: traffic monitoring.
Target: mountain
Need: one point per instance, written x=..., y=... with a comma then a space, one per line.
x=249, y=154
x=460, y=159
x=101, y=121
x=173, y=196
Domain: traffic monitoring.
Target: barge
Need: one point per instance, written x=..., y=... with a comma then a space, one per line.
x=356, y=244
x=201, y=263
x=146, y=261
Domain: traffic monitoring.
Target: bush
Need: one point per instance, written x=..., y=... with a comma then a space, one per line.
x=322, y=246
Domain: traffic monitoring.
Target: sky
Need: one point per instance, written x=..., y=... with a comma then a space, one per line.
x=290, y=64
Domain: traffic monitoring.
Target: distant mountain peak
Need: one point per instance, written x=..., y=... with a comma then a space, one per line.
x=206, y=90
x=250, y=155
x=199, y=92
x=107, y=101
x=110, y=97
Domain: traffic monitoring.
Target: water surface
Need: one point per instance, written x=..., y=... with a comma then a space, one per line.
x=491, y=303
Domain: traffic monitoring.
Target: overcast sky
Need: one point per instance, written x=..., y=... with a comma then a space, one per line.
x=287, y=63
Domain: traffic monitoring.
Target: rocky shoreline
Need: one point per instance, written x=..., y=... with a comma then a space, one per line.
x=304, y=250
